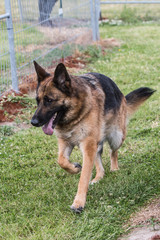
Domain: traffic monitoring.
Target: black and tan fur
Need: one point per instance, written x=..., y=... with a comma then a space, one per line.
x=89, y=109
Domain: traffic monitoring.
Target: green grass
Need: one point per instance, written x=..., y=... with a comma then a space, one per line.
x=131, y=13
x=6, y=131
x=36, y=193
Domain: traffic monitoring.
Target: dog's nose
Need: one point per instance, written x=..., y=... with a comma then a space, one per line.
x=35, y=122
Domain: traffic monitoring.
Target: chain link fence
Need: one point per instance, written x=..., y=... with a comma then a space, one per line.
x=42, y=30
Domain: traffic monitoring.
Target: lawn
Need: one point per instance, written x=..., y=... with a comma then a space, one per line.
x=35, y=193
x=131, y=12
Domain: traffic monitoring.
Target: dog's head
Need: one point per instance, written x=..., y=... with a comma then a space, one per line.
x=53, y=97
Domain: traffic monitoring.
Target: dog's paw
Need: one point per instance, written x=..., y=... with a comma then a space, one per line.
x=114, y=169
x=93, y=181
x=76, y=210
x=97, y=178
x=78, y=166
x=78, y=204
x=74, y=168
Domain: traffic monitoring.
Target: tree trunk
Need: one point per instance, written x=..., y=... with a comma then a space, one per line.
x=45, y=9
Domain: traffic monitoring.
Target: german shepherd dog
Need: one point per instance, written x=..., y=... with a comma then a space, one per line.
x=84, y=111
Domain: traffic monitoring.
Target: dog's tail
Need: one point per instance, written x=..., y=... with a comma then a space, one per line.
x=136, y=98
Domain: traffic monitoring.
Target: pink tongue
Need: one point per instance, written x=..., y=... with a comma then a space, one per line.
x=47, y=128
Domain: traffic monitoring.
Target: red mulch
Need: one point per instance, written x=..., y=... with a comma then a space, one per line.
x=8, y=108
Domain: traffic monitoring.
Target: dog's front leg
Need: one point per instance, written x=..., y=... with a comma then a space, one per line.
x=65, y=150
x=89, y=149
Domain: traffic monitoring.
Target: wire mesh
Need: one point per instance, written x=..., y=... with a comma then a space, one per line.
x=41, y=34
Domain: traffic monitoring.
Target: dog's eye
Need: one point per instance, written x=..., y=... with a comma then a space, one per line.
x=47, y=99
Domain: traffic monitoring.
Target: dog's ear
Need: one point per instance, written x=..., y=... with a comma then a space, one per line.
x=62, y=79
x=41, y=73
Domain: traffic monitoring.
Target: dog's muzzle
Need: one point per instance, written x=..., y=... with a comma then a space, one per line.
x=35, y=122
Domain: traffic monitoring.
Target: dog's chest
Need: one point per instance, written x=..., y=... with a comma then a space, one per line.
x=73, y=136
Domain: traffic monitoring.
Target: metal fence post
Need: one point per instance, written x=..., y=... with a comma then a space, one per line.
x=11, y=46
x=60, y=9
x=20, y=10
x=97, y=15
x=95, y=10
x=93, y=20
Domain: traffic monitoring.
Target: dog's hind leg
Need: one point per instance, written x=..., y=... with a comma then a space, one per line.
x=63, y=157
x=98, y=164
x=114, y=160
x=115, y=141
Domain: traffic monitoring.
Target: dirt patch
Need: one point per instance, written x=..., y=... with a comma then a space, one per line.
x=144, y=233
x=149, y=220
x=58, y=35
x=147, y=214
x=108, y=43
x=32, y=47
x=8, y=108
x=16, y=127
x=74, y=63
x=78, y=60
x=29, y=84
